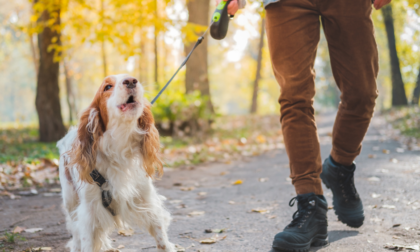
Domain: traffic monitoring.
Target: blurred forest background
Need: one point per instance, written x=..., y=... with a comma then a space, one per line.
x=54, y=55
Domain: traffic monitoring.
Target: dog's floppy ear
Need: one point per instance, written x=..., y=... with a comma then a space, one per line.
x=150, y=144
x=83, y=151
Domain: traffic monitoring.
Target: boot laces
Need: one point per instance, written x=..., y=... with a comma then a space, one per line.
x=348, y=188
x=305, y=209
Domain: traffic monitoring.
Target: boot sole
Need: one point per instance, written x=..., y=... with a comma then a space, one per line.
x=340, y=218
x=317, y=241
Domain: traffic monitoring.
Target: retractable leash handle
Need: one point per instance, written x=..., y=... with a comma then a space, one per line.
x=220, y=21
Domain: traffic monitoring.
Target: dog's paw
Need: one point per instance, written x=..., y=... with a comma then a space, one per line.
x=168, y=248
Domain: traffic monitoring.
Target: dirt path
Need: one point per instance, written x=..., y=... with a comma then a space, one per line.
x=389, y=185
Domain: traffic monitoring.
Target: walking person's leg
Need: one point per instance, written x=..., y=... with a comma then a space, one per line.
x=293, y=30
x=354, y=59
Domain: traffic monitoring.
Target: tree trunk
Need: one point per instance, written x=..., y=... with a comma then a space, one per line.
x=71, y=101
x=34, y=54
x=196, y=74
x=51, y=127
x=398, y=92
x=416, y=92
x=254, y=104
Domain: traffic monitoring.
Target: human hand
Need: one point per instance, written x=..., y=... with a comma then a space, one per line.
x=380, y=3
x=232, y=8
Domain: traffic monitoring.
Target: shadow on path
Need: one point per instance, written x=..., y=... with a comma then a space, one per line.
x=337, y=235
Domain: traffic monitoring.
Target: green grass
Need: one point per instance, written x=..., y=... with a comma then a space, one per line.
x=21, y=145
x=406, y=120
x=12, y=237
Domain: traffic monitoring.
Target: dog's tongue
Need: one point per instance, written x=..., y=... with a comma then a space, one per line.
x=123, y=107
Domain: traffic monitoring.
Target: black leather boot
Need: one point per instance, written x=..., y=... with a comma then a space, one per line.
x=308, y=227
x=346, y=201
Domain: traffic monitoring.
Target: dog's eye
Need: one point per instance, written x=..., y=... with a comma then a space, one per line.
x=108, y=87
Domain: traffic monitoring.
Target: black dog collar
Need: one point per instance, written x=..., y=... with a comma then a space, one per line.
x=106, y=195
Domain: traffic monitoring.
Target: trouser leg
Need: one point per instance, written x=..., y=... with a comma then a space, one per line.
x=293, y=31
x=349, y=31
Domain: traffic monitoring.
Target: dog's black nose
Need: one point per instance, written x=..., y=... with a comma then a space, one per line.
x=130, y=82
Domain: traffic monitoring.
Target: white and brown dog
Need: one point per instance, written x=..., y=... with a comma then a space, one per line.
x=117, y=139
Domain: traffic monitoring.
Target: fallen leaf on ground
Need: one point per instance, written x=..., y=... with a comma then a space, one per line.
x=124, y=232
x=55, y=190
x=375, y=219
x=385, y=151
x=196, y=213
x=208, y=241
x=395, y=237
x=271, y=216
x=187, y=188
x=396, y=225
x=32, y=230
x=371, y=156
x=388, y=206
x=179, y=248
x=330, y=208
x=121, y=246
x=177, y=184
x=212, y=240
x=260, y=210
x=232, y=202
x=214, y=230
x=42, y=249
x=263, y=179
x=237, y=182
x=374, y=195
x=402, y=247
x=18, y=230
x=223, y=173
x=374, y=179
x=261, y=139
x=202, y=193
x=394, y=160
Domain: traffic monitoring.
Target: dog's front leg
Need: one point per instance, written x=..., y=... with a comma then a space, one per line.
x=87, y=229
x=162, y=243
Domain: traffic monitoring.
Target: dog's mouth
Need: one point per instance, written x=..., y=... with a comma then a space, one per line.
x=130, y=100
x=129, y=104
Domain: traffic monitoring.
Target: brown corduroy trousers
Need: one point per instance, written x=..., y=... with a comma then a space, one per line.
x=293, y=31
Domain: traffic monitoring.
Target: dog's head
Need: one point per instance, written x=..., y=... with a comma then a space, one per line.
x=119, y=100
